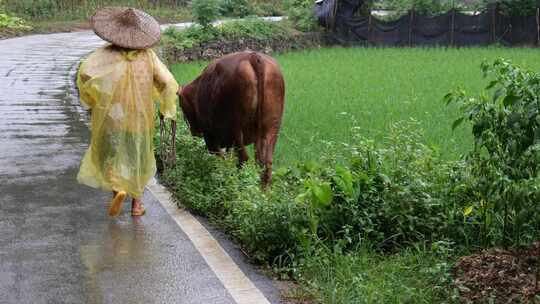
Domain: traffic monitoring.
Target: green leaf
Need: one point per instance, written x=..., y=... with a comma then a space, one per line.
x=510, y=100
x=322, y=194
x=457, y=123
x=448, y=98
x=467, y=211
x=385, y=178
x=344, y=180
x=491, y=84
x=497, y=94
x=282, y=171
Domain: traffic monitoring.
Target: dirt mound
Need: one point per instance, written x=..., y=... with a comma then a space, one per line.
x=501, y=275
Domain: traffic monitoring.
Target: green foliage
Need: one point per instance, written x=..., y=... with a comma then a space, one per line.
x=36, y=8
x=301, y=13
x=388, y=196
x=236, y=8
x=254, y=29
x=205, y=11
x=188, y=38
x=519, y=7
x=385, y=197
x=13, y=23
x=430, y=7
x=268, y=8
x=64, y=10
x=243, y=29
x=502, y=182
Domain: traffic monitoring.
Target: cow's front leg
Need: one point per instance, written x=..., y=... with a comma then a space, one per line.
x=212, y=147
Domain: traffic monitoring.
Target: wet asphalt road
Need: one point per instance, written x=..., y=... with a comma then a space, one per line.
x=57, y=244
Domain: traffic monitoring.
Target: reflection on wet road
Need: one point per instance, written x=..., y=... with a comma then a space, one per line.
x=56, y=243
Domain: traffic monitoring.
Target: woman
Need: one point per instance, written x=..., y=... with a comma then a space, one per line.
x=120, y=83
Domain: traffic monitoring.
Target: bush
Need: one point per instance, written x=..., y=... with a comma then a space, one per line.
x=301, y=13
x=255, y=29
x=501, y=180
x=236, y=8
x=36, y=9
x=269, y=8
x=519, y=7
x=205, y=11
x=429, y=7
x=389, y=196
x=12, y=23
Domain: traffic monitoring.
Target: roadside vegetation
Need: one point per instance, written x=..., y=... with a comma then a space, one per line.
x=45, y=16
x=375, y=197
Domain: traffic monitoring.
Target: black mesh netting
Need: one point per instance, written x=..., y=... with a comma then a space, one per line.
x=452, y=28
x=473, y=30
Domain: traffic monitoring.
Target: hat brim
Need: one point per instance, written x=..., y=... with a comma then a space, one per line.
x=108, y=24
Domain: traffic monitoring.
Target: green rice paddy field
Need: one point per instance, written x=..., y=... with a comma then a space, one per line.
x=331, y=90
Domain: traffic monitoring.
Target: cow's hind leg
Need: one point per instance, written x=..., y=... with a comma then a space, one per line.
x=264, y=154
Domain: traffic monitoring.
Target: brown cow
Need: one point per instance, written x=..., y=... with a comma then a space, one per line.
x=236, y=101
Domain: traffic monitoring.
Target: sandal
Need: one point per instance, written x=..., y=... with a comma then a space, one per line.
x=116, y=203
x=139, y=211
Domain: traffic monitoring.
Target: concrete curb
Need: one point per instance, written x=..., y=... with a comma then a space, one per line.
x=239, y=286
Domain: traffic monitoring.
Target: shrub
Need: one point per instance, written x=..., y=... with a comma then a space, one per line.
x=254, y=29
x=519, y=7
x=205, y=11
x=236, y=8
x=269, y=8
x=501, y=180
x=243, y=29
x=301, y=13
x=13, y=23
x=389, y=196
x=188, y=38
x=429, y=7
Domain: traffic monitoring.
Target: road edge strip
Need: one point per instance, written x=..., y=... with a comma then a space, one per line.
x=239, y=286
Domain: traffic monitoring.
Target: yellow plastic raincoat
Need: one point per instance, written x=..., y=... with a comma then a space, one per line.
x=120, y=87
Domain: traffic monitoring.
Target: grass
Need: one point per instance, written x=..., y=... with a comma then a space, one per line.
x=331, y=90
x=363, y=276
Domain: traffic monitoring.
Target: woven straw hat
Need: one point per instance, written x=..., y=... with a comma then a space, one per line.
x=126, y=27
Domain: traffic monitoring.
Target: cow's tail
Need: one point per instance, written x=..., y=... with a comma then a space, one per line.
x=258, y=65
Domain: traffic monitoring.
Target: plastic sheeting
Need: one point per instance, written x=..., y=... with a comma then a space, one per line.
x=325, y=12
x=120, y=87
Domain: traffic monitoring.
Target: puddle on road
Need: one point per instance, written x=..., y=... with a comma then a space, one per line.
x=122, y=249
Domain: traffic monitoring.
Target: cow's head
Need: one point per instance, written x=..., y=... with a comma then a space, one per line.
x=188, y=103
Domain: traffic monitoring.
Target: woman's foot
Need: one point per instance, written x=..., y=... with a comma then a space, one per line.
x=115, y=206
x=137, y=208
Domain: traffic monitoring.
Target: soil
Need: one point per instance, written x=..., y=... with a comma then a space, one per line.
x=498, y=276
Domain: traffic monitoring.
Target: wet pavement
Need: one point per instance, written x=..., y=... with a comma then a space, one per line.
x=57, y=244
